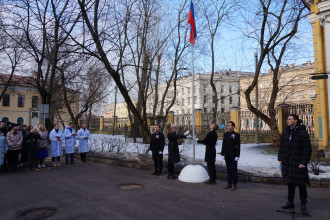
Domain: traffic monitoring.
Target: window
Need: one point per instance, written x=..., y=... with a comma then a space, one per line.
x=253, y=98
x=302, y=94
x=311, y=93
x=260, y=85
x=204, y=88
x=182, y=101
x=260, y=98
x=20, y=121
x=283, y=83
x=205, y=99
x=292, y=82
x=222, y=110
x=188, y=90
x=222, y=88
x=188, y=100
x=213, y=99
x=293, y=96
x=195, y=100
x=230, y=100
x=230, y=89
x=302, y=80
x=21, y=99
x=182, y=91
x=6, y=100
x=222, y=100
x=284, y=95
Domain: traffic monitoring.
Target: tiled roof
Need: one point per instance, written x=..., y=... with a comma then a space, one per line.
x=17, y=81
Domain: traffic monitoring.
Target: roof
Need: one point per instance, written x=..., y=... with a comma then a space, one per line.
x=17, y=81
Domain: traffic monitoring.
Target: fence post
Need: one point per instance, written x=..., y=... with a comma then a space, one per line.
x=199, y=121
x=170, y=117
x=101, y=123
x=235, y=117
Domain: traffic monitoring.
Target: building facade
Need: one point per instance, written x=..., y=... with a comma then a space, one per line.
x=296, y=88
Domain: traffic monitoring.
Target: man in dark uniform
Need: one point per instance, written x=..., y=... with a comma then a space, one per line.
x=157, y=143
x=230, y=152
x=210, y=153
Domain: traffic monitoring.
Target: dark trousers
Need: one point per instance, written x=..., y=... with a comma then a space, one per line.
x=83, y=157
x=69, y=156
x=211, y=170
x=158, y=165
x=170, y=168
x=231, y=165
x=302, y=193
x=12, y=156
x=57, y=159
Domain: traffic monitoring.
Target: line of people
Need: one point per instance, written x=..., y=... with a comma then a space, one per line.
x=30, y=147
x=294, y=154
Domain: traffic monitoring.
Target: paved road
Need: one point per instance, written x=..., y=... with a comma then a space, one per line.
x=91, y=191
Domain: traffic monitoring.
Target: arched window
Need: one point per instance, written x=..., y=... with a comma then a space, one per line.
x=20, y=121
x=5, y=120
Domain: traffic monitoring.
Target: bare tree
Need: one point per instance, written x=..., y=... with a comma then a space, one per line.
x=278, y=22
x=215, y=13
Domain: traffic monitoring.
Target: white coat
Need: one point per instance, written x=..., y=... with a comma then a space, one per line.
x=83, y=143
x=56, y=145
x=70, y=141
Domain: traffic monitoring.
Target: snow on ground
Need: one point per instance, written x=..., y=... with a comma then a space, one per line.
x=254, y=158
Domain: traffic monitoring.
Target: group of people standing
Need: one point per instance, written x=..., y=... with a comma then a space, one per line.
x=294, y=154
x=29, y=147
x=230, y=152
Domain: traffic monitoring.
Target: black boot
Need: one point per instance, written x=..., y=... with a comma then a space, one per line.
x=155, y=173
x=304, y=209
x=288, y=205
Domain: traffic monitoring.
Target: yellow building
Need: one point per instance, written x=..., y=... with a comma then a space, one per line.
x=21, y=103
x=320, y=21
x=296, y=88
x=121, y=113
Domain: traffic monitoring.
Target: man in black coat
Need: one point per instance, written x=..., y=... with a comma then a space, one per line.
x=230, y=152
x=294, y=154
x=210, y=153
x=157, y=143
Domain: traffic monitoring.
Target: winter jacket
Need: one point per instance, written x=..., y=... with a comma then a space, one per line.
x=173, y=147
x=4, y=130
x=3, y=147
x=231, y=145
x=295, y=149
x=43, y=141
x=83, y=143
x=157, y=142
x=210, y=141
x=14, y=141
x=32, y=141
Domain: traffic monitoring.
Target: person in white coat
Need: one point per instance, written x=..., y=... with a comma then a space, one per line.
x=83, y=135
x=56, y=151
x=70, y=142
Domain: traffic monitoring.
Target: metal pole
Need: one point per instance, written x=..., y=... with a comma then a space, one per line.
x=114, y=114
x=257, y=101
x=193, y=98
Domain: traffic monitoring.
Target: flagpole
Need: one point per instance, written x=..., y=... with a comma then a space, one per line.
x=193, y=98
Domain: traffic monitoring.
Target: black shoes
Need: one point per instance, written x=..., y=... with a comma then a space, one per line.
x=288, y=205
x=227, y=186
x=154, y=173
x=304, y=209
x=171, y=177
x=210, y=182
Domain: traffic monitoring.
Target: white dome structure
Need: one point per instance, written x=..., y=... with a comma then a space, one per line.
x=193, y=174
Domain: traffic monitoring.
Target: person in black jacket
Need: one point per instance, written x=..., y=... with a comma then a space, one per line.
x=294, y=154
x=32, y=136
x=157, y=143
x=173, y=149
x=230, y=152
x=210, y=153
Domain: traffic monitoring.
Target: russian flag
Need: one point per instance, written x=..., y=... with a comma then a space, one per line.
x=191, y=21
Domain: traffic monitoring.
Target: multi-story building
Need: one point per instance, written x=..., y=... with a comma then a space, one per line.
x=295, y=88
x=21, y=103
x=121, y=114
x=227, y=85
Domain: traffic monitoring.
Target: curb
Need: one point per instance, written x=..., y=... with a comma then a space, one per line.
x=241, y=177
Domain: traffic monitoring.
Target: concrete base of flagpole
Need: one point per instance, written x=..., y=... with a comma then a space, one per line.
x=193, y=173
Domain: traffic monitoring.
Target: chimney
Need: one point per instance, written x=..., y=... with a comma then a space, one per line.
x=308, y=63
x=291, y=65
